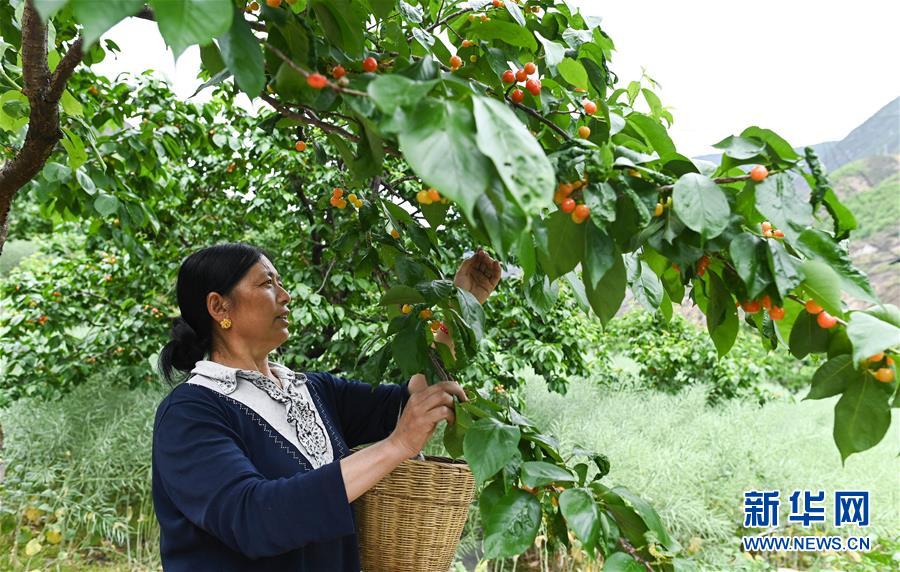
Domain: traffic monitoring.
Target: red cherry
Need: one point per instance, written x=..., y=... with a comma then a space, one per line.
x=338, y=71
x=766, y=302
x=509, y=76
x=533, y=86
x=521, y=75
x=589, y=106
x=776, y=313
x=750, y=306
x=826, y=320
x=758, y=173
x=812, y=307
x=370, y=64
x=517, y=96
x=568, y=205
x=530, y=68
x=582, y=211
x=316, y=80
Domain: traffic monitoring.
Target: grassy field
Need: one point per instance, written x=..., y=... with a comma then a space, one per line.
x=89, y=455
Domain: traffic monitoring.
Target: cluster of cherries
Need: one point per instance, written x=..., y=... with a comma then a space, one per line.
x=427, y=314
x=532, y=85
x=337, y=199
x=429, y=196
x=316, y=80
x=579, y=212
x=753, y=306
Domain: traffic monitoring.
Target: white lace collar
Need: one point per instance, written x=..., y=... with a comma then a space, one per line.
x=227, y=376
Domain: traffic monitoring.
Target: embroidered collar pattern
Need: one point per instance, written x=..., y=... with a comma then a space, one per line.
x=300, y=413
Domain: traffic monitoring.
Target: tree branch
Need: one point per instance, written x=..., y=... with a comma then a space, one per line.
x=64, y=70
x=305, y=73
x=43, y=92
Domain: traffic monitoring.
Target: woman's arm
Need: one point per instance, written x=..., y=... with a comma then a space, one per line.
x=363, y=469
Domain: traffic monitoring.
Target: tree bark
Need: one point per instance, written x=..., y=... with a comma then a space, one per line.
x=43, y=90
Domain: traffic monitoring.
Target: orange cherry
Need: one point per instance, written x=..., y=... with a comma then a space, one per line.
x=825, y=320
x=812, y=307
x=758, y=173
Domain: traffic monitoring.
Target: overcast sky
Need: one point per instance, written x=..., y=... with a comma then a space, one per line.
x=810, y=70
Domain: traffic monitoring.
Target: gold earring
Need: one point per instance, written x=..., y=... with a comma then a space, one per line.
x=226, y=323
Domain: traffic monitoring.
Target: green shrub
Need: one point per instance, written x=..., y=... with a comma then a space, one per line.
x=671, y=356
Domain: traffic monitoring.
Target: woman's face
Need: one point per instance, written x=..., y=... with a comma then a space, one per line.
x=257, y=307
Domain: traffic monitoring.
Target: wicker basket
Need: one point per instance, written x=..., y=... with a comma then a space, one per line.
x=411, y=521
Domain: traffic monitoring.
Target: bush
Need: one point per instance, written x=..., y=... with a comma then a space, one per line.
x=671, y=356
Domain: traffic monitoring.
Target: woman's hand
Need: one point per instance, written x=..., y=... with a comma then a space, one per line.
x=479, y=274
x=424, y=410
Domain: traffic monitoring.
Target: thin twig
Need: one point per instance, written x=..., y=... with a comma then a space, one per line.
x=306, y=73
x=327, y=272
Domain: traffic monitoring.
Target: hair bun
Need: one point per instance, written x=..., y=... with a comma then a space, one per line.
x=183, y=333
x=186, y=347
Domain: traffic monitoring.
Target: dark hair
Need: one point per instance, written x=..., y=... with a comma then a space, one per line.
x=213, y=269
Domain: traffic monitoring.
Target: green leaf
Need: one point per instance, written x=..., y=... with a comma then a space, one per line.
x=574, y=73
x=780, y=203
x=515, y=12
x=389, y=92
x=701, y=205
x=785, y=268
x=242, y=54
x=844, y=221
x=74, y=146
x=439, y=144
x=472, y=312
x=184, y=23
x=644, y=283
x=106, y=204
x=71, y=105
x=622, y=562
x=401, y=295
x=601, y=199
x=820, y=246
x=581, y=514
x=511, y=524
x=539, y=473
x=341, y=24
x=807, y=337
x=455, y=433
x=870, y=334
x=553, y=52
x=518, y=157
x=489, y=445
x=599, y=253
x=778, y=146
x=98, y=17
x=653, y=132
x=861, y=417
x=740, y=148
x=412, y=13
x=833, y=377
x=565, y=244
x=823, y=284
x=512, y=34
x=211, y=59
x=409, y=349
x=606, y=298
x=750, y=257
x=721, y=315
x=46, y=9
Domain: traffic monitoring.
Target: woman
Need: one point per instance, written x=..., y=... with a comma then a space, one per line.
x=251, y=461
